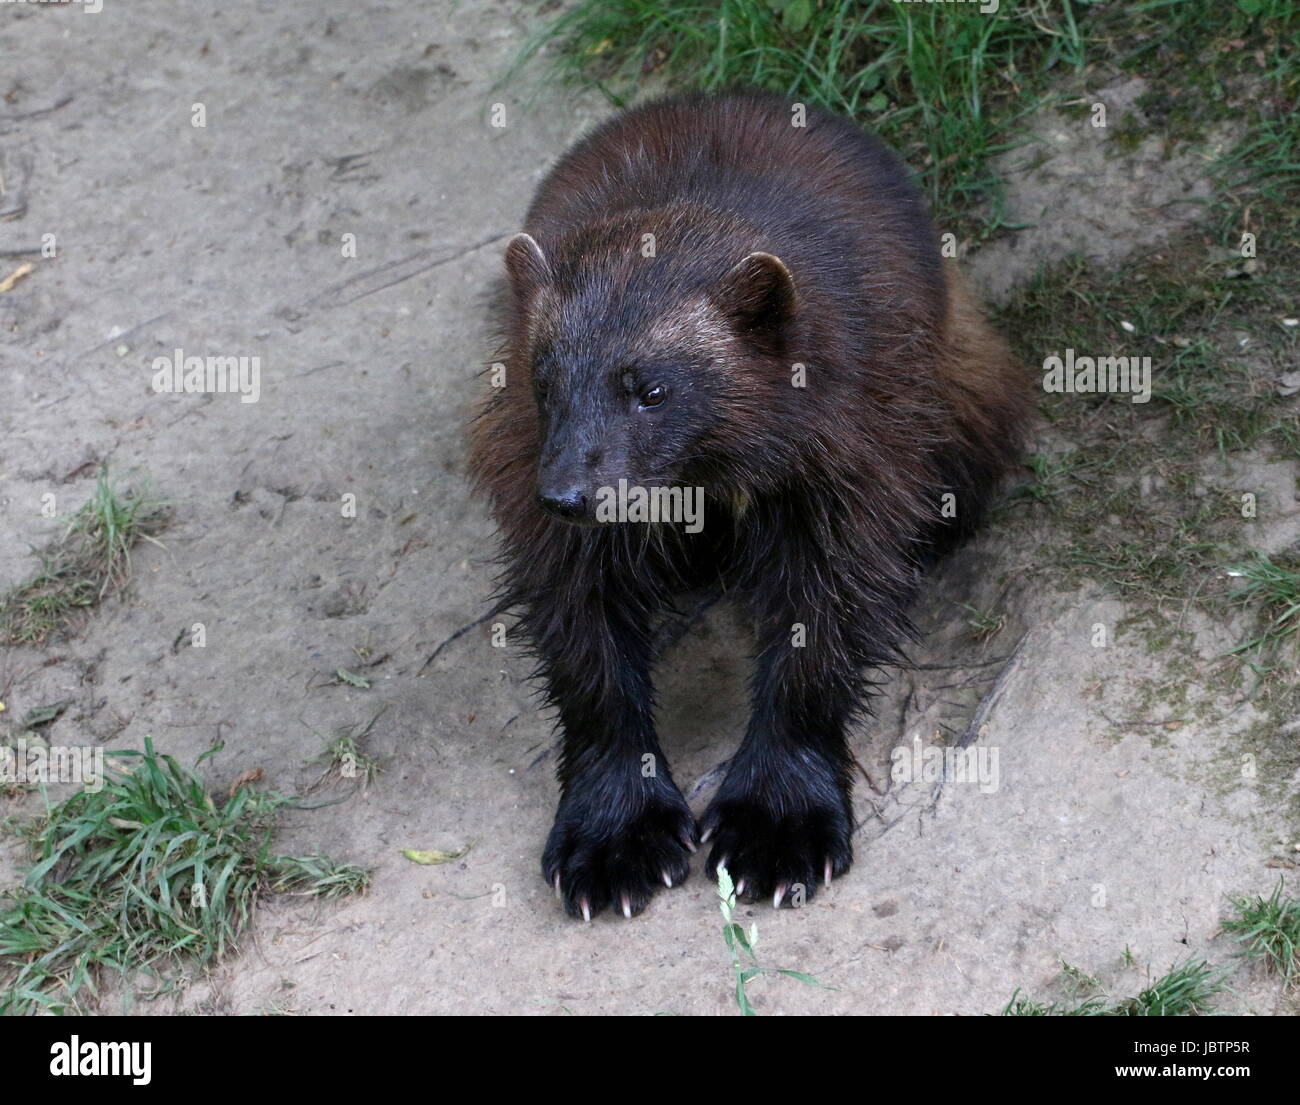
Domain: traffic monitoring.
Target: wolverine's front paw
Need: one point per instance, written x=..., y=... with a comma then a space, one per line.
x=617, y=849
x=779, y=848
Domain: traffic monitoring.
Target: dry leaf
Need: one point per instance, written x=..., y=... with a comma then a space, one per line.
x=9, y=281
x=431, y=856
x=252, y=776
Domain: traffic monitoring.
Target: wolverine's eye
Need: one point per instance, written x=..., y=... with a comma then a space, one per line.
x=653, y=397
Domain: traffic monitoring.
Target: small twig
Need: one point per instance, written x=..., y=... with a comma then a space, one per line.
x=125, y=336
x=500, y=608
x=986, y=703
x=391, y=273
x=1140, y=721
x=963, y=664
x=981, y=714
x=318, y=368
x=867, y=775
x=16, y=117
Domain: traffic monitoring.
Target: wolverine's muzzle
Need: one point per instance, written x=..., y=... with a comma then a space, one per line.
x=569, y=503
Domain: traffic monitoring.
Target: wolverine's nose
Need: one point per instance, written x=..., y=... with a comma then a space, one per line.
x=568, y=503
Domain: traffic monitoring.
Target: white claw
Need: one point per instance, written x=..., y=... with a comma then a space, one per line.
x=627, y=908
x=740, y=888
x=690, y=844
x=668, y=881
x=586, y=910
x=776, y=898
x=557, y=884
x=828, y=872
x=704, y=837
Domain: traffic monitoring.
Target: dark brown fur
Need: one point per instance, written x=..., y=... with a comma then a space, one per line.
x=823, y=502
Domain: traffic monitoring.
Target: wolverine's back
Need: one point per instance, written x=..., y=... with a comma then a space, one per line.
x=814, y=189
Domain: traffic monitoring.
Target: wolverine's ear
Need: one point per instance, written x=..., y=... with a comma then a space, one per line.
x=526, y=264
x=758, y=293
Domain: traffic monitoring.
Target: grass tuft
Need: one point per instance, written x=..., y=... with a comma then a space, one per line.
x=1269, y=929
x=148, y=872
x=1187, y=990
x=1273, y=587
x=317, y=877
x=943, y=84
x=90, y=559
x=344, y=757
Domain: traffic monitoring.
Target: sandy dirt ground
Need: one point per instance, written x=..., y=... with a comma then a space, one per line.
x=1103, y=831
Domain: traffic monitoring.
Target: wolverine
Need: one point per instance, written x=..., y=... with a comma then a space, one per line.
x=743, y=297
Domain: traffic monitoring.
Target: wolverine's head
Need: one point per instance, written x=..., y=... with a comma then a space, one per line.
x=638, y=362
